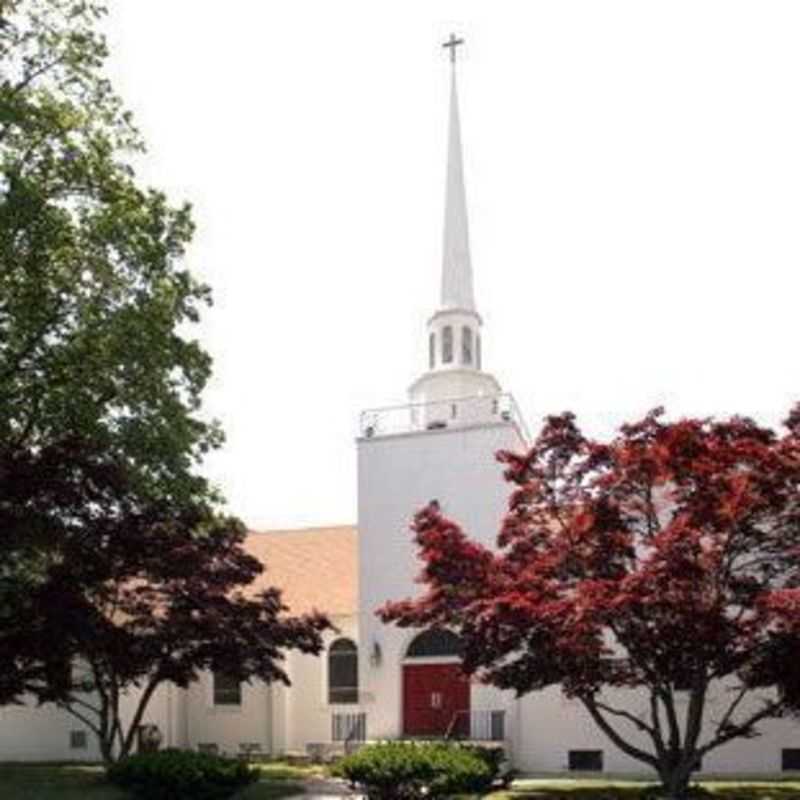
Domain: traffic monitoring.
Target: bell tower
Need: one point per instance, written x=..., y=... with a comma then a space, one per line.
x=455, y=389
x=440, y=445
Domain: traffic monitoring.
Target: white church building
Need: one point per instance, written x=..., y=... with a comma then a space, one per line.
x=376, y=681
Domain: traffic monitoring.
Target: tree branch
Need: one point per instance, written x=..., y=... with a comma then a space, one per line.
x=655, y=716
x=772, y=709
x=87, y=706
x=604, y=725
x=694, y=716
x=618, y=712
x=70, y=710
x=137, y=717
x=731, y=709
x=672, y=719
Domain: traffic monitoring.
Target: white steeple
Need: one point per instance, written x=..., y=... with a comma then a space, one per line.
x=457, y=289
x=455, y=370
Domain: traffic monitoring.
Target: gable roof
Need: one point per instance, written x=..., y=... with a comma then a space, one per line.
x=317, y=568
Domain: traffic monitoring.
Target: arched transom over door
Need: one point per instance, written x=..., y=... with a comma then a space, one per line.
x=435, y=691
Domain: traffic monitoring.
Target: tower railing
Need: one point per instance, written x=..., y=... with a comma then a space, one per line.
x=454, y=412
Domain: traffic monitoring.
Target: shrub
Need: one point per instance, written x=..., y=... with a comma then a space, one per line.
x=181, y=774
x=409, y=770
x=496, y=759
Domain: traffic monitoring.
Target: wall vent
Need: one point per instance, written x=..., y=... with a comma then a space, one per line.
x=790, y=759
x=585, y=760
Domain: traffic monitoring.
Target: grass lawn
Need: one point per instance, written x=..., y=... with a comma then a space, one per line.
x=64, y=782
x=593, y=789
x=79, y=782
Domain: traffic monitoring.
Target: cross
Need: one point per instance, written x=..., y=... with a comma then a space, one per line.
x=452, y=43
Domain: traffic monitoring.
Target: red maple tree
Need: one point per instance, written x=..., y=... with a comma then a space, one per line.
x=665, y=560
x=115, y=593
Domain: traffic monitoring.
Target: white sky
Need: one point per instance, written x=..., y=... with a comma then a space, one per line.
x=633, y=177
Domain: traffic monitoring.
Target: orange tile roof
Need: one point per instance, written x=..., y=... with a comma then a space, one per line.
x=317, y=568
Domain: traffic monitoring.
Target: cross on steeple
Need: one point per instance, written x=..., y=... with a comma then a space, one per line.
x=451, y=44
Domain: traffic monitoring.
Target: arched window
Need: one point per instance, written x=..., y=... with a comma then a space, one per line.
x=343, y=672
x=435, y=642
x=478, y=351
x=447, y=344
x=466, y=345
x=432, y=350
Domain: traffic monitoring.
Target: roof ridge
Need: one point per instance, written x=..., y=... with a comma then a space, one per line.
x=309, y=529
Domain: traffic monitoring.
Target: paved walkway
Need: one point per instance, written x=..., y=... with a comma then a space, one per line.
x=327, y=788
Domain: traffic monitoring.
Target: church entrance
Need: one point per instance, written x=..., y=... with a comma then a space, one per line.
x=436, y=693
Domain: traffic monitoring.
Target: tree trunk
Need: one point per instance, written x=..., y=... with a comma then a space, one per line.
x=675, y=779
x=106, y=750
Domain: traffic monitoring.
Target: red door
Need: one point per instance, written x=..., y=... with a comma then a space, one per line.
x=434, y=697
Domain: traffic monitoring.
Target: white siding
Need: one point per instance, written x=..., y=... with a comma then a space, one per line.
x=397, y=475
x=548, y=726
x=229, y=726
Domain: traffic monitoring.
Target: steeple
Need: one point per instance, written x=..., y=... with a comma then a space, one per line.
x=457, y=289
x=455, y=384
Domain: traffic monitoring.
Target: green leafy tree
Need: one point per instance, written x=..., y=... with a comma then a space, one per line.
x=93, y=298
x=99, y=378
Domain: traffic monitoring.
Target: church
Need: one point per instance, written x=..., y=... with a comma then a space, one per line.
x=375, y=681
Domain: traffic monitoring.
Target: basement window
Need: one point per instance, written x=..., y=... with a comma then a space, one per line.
x=585, y=760
x=790, y=759
x=77, y=740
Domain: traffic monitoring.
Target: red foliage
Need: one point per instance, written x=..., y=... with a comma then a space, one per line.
x=665, y=557
x=114, y=588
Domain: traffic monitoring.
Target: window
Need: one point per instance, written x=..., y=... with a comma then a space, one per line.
x=478, y=351
x=586, y=760
x=435, y=642
x=466, y=345
x=77, y=740
x=447, y=344
x=790, y=759
x=227, y=690
x=432, y=350
x=343, y=672
x=497, y=725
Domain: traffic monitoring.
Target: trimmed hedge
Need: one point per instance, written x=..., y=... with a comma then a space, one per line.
x=181, y=774
x=411, y=770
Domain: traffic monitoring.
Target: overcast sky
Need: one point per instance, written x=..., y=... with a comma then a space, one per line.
x=633, y=179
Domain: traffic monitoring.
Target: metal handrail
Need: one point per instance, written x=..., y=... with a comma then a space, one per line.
x=356, y=729
x=448, y=734
x=369, y=419
x=486, y=714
